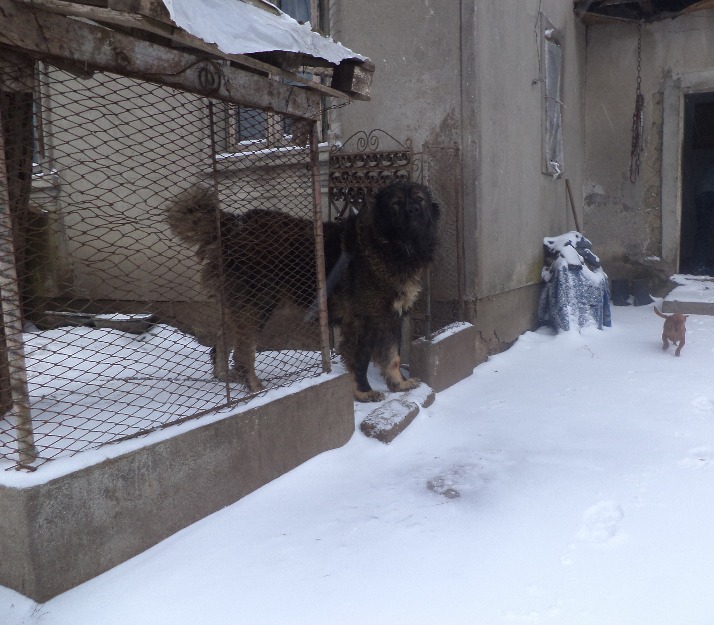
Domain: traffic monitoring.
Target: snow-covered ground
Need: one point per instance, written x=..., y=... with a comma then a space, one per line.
x=568, y=481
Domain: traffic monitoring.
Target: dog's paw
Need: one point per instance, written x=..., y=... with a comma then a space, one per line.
x=368, y=396
x=252, y=383
x=403, y=385
x=228, y=375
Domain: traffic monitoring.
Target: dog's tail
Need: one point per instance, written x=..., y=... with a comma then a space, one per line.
x=192, y=215
x=661, y=314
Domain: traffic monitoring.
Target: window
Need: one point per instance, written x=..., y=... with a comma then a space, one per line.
x=552, y=86
x=242, y=126
x=297, y=9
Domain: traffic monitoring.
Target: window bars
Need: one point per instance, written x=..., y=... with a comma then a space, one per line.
x=107, y=325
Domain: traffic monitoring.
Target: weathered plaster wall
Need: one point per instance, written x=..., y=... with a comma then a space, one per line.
x=634, y=226
x=517, y=204
x=469, y=72
x=415, y=48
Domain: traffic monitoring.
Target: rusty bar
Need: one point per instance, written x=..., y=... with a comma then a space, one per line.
x=10, y=290
x=319, y=249
x=427, y=298
x=222, y=295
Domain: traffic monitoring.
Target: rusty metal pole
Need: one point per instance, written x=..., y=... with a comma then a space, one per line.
x=319, y=250
x=223, y=330
x=9, y=285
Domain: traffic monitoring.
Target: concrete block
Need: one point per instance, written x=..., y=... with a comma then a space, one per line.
x=449, y=357
x=58, y=534
x=389, y=420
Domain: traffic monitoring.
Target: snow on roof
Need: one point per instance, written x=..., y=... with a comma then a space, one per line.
x=237, y=27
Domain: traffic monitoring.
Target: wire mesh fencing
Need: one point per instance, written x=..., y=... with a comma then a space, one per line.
x=113, y=325
x=444, y=301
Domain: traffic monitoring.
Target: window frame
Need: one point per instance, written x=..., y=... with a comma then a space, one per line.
x=278, y=131
x=552, y=73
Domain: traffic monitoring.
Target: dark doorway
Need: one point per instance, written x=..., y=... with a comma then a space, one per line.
x=696, y=243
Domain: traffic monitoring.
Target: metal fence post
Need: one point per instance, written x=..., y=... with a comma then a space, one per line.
x=319, y=249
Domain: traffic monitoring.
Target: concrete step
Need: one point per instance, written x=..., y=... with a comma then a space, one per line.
x=693, y=295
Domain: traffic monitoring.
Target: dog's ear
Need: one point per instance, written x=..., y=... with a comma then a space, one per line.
x=436, y=209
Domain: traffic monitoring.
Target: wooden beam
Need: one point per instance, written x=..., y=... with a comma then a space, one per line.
x=168, y=29
x=354, y=79
x=15, y=180
x=49, y=36
x=154, y=9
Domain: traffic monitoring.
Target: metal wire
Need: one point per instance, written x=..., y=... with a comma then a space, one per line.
x=114, y=324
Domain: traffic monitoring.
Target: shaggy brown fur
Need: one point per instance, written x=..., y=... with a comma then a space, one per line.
x=674, y=330
x=374, y=261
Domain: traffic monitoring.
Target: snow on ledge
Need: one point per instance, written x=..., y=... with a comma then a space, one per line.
x=450, y=330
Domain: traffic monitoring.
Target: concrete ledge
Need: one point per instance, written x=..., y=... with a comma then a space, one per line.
x=56, y=535
x=448, y=358
x=693, y=295
x=688, y=308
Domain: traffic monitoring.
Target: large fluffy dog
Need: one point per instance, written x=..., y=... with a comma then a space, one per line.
x=374, y=262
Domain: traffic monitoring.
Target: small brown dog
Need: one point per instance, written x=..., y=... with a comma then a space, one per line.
x=673, y=330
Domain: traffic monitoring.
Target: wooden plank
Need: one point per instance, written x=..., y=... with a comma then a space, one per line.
x=354, y=79
x=168, y=29
x=15, y=179
x=49, y=36
x=154, y=9
x=157, y=10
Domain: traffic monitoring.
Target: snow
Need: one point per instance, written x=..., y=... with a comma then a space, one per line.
x=89, y=386
x=692, y=289
x=237, y=27
x=568, y=481
x=449, y=330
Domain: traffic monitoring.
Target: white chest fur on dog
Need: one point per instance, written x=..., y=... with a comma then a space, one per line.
x=408, y=294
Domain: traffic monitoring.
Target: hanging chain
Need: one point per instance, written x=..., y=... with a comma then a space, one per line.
x=638, y=115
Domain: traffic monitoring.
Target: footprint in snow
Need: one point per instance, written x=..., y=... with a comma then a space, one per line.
x=455, y=481
x=702, y=404
x=699, y=457
x=601, y=523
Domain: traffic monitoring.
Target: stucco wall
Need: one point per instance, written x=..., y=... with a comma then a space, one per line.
x=517, y=204
x=415, y=49
x=469, y=73
x=635, y=226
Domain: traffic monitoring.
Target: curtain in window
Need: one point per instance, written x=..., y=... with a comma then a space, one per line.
x=297, y=9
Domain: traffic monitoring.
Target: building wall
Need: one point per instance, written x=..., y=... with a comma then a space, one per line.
x=468, y=73
x=635, y=226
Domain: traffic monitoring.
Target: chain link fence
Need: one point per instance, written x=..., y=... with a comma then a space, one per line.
x=108, y=324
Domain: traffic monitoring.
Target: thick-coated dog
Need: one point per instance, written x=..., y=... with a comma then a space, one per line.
x=674, y=330
x=374, y=262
